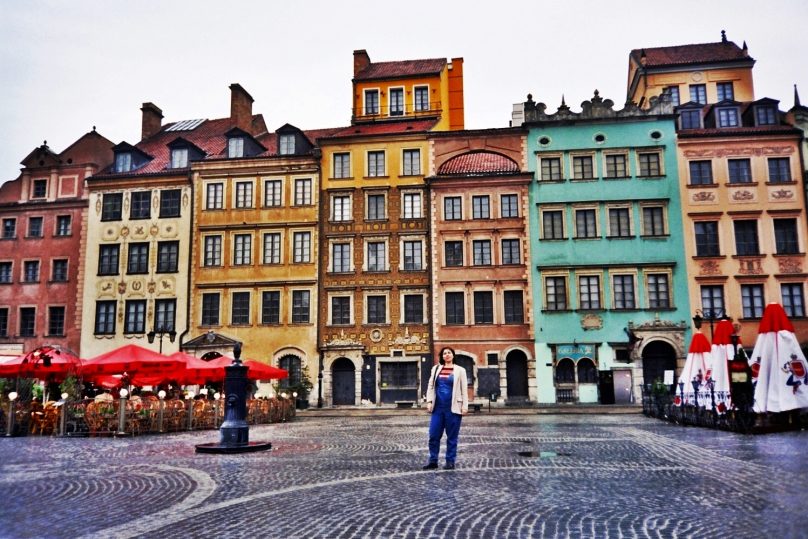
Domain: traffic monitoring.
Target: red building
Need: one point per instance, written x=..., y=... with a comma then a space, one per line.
x=42, y=215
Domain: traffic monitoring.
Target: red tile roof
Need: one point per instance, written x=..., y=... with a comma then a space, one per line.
x=739, y=131
x=479, y=163
x=700, y=53
x=384, y=128
x=404, y=68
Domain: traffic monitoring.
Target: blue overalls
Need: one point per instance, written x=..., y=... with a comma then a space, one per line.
x=443, y=419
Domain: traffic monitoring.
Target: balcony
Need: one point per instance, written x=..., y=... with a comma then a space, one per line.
x=407, y=111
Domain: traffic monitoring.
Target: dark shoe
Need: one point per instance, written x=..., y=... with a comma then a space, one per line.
x=449, y=466
x=431, y=466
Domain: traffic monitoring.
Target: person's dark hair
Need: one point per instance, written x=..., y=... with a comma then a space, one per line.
x=442, y=350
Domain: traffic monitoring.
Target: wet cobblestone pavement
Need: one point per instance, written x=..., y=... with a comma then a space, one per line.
x=354, y=477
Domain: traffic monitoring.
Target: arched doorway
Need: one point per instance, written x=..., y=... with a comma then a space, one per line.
x=657, y=357
x=343, y=382
x=293, y=365
x=516, y=375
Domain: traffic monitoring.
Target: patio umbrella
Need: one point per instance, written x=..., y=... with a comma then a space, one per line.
x=692, y=381
x=199, y=371
x=45, y=362
x=779, y=369
x=721, y=353
x=135, y=361
x=262, y=371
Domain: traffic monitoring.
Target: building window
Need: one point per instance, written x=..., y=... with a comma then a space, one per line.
x=658, y=291
x=740, y=171
x=701, y=172
x=5, y=272
x=59, y=271
x=779, y=170
x=341, y=208
x=582, y=167
x=244, y=195
x=272, y=248
x=179, y=158
x=480, y=207
x=290, y=364
x=4, y=322
x=653, y=221
x=302, y=247
x=35, y=227
x=240, y=310
x=56, y=321
x=111, y=207
x=215, y=196
x=793, y=300
x=63, y=225
x=421, y=98
x=413, y=309
x=170, y=203
x=765, y=115
x=452, y=208
x=649, y=164
x=707, y=238
x=728, y=117
x=623, y=290
x=27, y=322
x=235, y=147
x=342, y=165
x=724, y=91
x=9, y=229
x=585, y=224
x=242, y=250
x=123, y=162
x=272, y=193
x=712, y=301
x=413, y=260
x=340, y=310
x=752, y=298
x=589, y=291
x=287, y=145
x=746, y=238
x=616, y=166
x=377, y=256
x=483, y=307
x=482, y=252
x=303, y=192
x=619, y=222
x=300, y=306
x=165, y=314
x=376, y=208
x=673, y=93
x=30, y=271
x=167, y=256
x=690, y=119
x=105, y=317
x=377, y=309
x=271, y=307
x=513, y=306
x=453, y=253
x=553, y=224
x=40, y=189
x=371, y=101
x=396, y=99
x=210, y=309
x=108, y=259
x=412, y=162
x=511, y=252
x=509, y=206
x=698, y=93
x=785, y=236
x=138, y=258
x=376, y=163
x=455, y=309
x=412, y=206
x=141, y=205
x=551, y=169
x=135, y=321
x=341, y=257
x=555, y=289
x=213, y=251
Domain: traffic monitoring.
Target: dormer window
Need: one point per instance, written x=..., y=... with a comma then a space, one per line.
x=287, y=145
x=179, y=158
x=123, y=162
x=235, y=147
x=40, y=189
x=690, y=119
x=727, y=117
x=765, y=115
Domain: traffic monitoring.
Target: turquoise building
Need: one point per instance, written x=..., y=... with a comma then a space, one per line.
x=610, y=289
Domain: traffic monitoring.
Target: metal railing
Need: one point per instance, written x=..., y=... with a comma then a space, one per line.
x=662, y=402
x=383, y=112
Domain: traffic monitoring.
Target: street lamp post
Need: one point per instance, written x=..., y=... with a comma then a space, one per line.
x=161, y=332
x=711, y=316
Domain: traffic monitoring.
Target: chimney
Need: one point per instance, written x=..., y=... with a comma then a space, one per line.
x=152, y=120
x=240, y=107
x=360, y=61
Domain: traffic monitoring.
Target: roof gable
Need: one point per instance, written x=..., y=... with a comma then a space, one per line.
x=479, y=162
x=402, y=68
x=699, y=53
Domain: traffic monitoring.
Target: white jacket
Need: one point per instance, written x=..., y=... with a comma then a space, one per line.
x=460, y=393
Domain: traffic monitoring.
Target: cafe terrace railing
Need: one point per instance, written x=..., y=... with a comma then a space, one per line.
x=138, y=416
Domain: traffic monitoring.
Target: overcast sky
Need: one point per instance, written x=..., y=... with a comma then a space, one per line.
x=69, y=65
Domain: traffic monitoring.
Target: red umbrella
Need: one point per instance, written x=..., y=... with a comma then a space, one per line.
x=45, y=362
x=199, y=371
x=135, y=361
x=694, y=373
x=262, y=371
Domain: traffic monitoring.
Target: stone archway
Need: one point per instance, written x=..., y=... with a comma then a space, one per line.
x=657, y=357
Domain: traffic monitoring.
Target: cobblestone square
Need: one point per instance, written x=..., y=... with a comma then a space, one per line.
x=520, y=475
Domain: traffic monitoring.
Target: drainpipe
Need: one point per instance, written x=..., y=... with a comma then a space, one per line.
x=317, y=153
x=190, y=268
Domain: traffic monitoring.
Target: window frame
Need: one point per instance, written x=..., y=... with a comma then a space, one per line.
x=273, y=192
x=111, y=207
x=134, y=321
x=586, y=283
x=243, y=316
x=303, y=192
x=710, y=244
x=214, y=195
x=703, y=169
x=658, y=220
x=483, y=302
x=105, y=268
x=140, y=205
x=137, y=258
x=615, y=215
x=622, y=299
x=170, y=203
x=480, y=207
x=376, y=163
x=509, y=209
x=105, y=317
x=209, y=318
x=557, y=219
x=341, y=165
x=586, y=222
x=212, y=251
x=556, y=294
x=752, y=300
